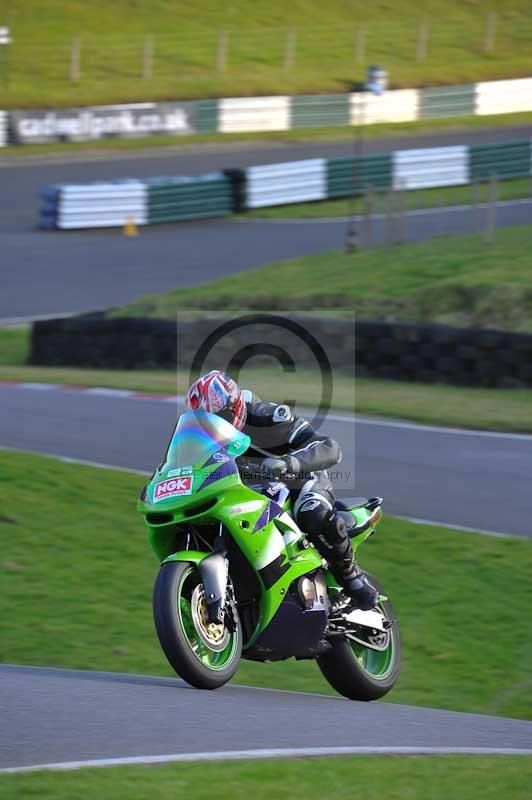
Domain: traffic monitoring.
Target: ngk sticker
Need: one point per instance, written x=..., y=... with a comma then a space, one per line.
x=172, y=488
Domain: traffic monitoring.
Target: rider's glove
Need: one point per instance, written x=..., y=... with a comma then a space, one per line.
x=278, y=467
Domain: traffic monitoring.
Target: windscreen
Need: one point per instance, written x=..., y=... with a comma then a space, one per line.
x=197, y=435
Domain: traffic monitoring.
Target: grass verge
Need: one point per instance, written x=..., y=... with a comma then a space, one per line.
x=185, y=58
x=77, y=552
x=108, y=147
x=400, y=778
x=458, y=280
x=414, y=199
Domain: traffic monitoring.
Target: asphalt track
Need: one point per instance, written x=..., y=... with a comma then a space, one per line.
x=52, y=273
x=473, y=480
x=56, y=716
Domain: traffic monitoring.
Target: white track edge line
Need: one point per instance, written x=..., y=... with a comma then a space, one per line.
x=414, y=426
x=295, y=752
x=463, y=528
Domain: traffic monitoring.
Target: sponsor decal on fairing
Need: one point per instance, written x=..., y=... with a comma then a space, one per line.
x=179, y=472
x=173, y=487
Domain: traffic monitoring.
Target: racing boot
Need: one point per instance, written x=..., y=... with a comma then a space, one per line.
x=339, y=553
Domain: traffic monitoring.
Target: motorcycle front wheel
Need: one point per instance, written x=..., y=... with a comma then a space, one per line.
x=204, y=654
x=361, y=673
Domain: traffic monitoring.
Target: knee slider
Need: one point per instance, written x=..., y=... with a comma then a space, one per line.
x=335, y=528
x=311, y=518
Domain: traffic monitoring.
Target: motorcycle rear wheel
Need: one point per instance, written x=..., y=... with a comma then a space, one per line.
x=358, y=672
x=205, y=656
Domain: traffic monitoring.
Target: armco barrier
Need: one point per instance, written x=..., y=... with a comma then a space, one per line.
x=291, y=182
x=100, y=122
x=404, y=351
x=503, y=97
x=248, y=114
x=276, y=113
x=94, y=205
x=3, y=128
x=508, y=160
x=399, y=105
x=447, y=101
x=221, y=194
x=319, y=111
x=345, y=173
x=433, y=166
x=206, y=116
x=98, y=205
x=174, y=199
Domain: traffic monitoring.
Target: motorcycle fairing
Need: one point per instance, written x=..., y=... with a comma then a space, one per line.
x=265, y=533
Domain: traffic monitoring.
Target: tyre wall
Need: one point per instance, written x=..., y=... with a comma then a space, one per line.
x=401, y=351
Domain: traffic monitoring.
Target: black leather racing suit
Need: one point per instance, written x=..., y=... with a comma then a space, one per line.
x=276, y=432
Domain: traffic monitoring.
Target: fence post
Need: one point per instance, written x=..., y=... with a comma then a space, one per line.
x=222, y=51
x=402, y=200
x=75, y=59
x=475, y=202
x=290, y=48
x=360, y=44
x=489, y=34
x=389, y=219
x=147, y=57
x=422, y=40
x=351, y=242
x=491, y=210
x=367, y=225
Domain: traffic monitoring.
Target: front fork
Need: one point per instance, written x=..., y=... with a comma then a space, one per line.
x=214, y=571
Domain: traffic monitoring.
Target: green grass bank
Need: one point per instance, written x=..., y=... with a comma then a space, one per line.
x=457, y=280
x=329, y=47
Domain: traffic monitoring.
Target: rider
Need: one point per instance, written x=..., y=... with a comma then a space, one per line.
x=289, y=449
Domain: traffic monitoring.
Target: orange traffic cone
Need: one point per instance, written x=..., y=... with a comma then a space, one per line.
x=130, y=227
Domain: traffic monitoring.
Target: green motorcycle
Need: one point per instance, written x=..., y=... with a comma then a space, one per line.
x=239, y=579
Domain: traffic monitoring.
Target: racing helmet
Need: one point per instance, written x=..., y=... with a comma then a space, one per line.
x=219, y=394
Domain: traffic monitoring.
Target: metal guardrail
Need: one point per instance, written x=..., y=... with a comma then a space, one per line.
x=94, y=205
x=277, y=113
x=347, y=176
x=508, y=160
x=248, y=114
x=430, y=167
x=320, y=111
x=170, y=199
x=503, y=97
x=3, y=128
x=291, y=182
x=174, y=199
x=447, y=101
x=399, y=105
